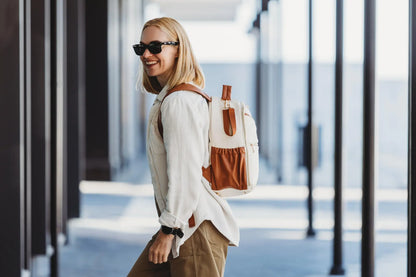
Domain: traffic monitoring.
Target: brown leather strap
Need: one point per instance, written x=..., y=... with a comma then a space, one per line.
x=187, y=87
x=207, y=173
x=191, y=221
x=226, y=92
x=230, y=125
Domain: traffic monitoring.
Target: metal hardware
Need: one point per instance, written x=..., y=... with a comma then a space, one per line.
x=227, y=104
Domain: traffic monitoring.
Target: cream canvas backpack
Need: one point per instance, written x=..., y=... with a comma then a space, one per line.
x=233, y=143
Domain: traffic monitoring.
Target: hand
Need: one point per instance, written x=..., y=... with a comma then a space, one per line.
x=160, y=249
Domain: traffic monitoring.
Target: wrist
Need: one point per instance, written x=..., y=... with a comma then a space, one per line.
x=171, y=231
x=164, y=236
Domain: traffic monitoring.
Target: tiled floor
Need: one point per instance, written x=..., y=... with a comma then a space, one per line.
x=118, y=220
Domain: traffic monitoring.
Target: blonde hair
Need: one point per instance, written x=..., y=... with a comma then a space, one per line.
x=186, y=68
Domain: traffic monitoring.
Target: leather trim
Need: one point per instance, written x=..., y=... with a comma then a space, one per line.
x=229, y=122
x=189, y=87
x=207, y=173
x=228, y=168
x=226, y=92
x=191, y=221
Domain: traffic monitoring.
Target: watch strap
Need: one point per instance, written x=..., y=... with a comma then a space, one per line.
x=168, y=230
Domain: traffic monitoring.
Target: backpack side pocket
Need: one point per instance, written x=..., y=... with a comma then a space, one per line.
x=252, y=148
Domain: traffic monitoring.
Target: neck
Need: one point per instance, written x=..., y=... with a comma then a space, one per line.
x=162, y=81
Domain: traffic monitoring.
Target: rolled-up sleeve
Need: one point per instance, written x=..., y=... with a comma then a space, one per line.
x=184, y=136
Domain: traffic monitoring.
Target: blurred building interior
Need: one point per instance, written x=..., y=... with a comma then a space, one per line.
x=331, y=84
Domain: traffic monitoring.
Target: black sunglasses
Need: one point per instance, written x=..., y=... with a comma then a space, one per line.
x=155, y=47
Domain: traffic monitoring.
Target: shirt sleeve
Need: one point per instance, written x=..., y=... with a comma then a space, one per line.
x=184, y=136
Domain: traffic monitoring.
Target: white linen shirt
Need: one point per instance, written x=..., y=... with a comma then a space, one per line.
x=176, y=167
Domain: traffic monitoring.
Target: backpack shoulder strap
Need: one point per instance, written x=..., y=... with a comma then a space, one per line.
x=187, y=87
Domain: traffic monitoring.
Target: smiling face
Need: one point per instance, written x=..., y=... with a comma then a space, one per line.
x=158, y=65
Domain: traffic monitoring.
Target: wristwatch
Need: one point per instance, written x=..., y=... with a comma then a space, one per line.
x=176, y=232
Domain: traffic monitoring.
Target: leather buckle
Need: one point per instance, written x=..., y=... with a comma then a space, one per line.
x=227, y=104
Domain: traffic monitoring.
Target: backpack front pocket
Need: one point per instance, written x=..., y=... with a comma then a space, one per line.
x=228, y=168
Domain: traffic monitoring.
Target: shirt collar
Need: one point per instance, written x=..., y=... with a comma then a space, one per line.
x=162, y=93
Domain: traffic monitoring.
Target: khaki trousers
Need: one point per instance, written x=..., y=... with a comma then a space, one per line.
x=202, y=255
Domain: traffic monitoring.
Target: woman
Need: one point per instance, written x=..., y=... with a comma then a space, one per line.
x=196, y=224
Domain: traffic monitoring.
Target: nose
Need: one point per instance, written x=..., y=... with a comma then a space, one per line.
x=146, y=53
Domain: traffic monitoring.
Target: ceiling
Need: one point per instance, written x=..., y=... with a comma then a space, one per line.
x=199, y=10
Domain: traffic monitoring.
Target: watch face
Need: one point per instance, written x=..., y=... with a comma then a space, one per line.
x=167, y=230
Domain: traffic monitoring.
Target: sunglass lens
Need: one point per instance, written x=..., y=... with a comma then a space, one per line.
x=155, y=48
x=139, y=49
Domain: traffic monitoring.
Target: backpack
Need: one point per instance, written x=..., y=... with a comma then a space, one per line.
x=233, y=143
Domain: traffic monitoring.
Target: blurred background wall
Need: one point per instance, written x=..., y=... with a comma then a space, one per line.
x=72, y=111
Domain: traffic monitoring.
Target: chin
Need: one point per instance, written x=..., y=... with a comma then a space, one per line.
x=151, y=74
